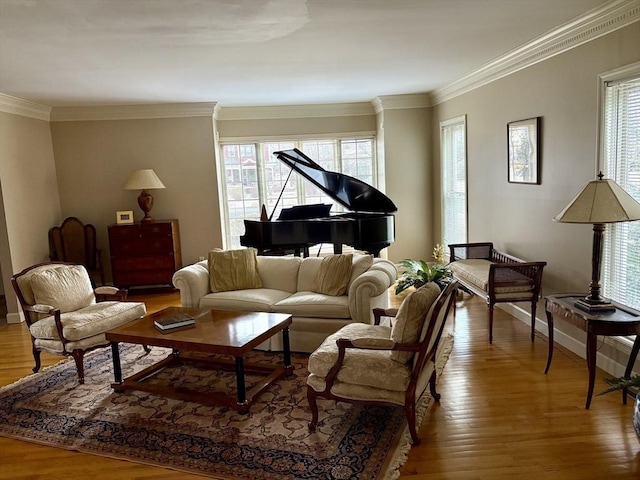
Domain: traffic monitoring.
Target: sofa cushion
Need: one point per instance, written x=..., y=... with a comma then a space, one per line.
x=66, y=287
x=334, y=274
x=256, y=300
x=86, y=322
x=472, y=270
x=233, y=270
x=279, y=273
x=311, y=304
x=370, y=368
x=361, y=263
x=407, y=324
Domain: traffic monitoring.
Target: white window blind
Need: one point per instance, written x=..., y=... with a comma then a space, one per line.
x=621, y=162
x=453, y=161
x=255, y=177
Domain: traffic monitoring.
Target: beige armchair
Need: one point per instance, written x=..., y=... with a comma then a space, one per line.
x=377, y=364
x=65, y=315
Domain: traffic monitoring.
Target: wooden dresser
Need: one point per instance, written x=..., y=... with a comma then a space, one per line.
x=144, y=253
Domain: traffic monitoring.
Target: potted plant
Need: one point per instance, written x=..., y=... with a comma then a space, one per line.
x=416, y=273
x=621, y=383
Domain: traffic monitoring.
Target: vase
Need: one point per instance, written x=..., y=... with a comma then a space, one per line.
x=636, y=415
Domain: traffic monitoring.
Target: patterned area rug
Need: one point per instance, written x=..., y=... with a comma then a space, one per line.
x=270, y=442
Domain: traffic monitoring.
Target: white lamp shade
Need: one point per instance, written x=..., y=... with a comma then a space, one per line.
x=600, y=201
x=143, y=180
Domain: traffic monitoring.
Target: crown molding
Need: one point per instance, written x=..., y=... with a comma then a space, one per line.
x=594, y=24
x=18, y=106
x=296, y=111
x=133, y=112
x=398, y=102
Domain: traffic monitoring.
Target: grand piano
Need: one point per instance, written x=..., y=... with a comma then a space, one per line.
x=368, y=227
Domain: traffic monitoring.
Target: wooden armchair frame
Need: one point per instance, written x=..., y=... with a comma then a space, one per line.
x=35, y=312
x=424, y=351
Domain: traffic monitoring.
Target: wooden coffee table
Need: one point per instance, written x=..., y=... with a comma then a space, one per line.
x=215, y=332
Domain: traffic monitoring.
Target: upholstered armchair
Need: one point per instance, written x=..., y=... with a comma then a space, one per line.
x=387, y=365
x=65, y=315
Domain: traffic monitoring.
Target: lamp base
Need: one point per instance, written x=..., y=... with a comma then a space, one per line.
x=592, y=306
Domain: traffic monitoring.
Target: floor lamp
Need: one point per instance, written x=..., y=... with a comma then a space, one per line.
x=600, y=202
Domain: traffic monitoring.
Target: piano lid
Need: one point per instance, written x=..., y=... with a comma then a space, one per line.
x=348, y=191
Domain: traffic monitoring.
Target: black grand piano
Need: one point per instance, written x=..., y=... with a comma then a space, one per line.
x=369, y=227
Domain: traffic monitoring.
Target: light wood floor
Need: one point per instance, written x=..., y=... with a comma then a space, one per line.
x=499, y=417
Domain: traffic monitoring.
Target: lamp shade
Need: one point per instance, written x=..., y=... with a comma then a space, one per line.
x=143, y=180
x=600, y=201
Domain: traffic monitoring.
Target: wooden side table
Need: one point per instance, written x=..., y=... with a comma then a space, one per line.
x=624, y=321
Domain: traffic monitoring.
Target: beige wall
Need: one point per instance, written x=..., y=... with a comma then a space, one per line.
x=408, y=171
x=518, y=218
x=29, y=195
x=95, y=158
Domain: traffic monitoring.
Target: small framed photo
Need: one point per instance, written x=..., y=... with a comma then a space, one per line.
x=124, y=217
x=523, y=151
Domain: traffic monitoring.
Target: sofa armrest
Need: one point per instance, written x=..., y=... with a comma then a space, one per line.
x=519, y=278
x=369, y=290
x=193, y=283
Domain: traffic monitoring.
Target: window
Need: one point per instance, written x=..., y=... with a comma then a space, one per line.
x=620, y=158
x=453, y=167
x=255, y=177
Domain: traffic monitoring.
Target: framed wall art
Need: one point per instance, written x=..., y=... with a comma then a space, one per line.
x=124, y=217
x=523, y=151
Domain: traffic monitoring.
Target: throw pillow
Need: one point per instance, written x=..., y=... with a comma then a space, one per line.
x=334, y=275
x=407, y=324
x=233, y=270
x=65, y=287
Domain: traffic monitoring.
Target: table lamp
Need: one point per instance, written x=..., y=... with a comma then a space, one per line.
x=144, y=180
x=601, y=201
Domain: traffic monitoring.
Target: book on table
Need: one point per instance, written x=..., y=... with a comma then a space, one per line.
x=176, y=321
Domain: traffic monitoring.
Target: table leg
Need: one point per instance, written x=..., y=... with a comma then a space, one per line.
x=287, y=348
x=117, y=368
x=630, y=363
x=550, y=354
x=240, y=385
x=592, y=352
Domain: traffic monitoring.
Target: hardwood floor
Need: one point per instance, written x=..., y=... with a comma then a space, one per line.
x=499, y=417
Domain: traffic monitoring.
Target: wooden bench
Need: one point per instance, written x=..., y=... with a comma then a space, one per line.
x=497, y=276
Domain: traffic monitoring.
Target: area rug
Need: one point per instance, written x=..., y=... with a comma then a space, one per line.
x=272, y=441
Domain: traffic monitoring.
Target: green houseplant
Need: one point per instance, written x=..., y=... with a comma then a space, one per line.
x=621, y=383
x=416, y=273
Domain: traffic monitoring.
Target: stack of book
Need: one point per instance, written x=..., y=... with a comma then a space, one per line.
x=177, y=321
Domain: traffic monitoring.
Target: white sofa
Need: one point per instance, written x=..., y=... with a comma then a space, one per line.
x=287, y=284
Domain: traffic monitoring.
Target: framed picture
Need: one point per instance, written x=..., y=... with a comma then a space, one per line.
x=124, y=217
x=523, y=151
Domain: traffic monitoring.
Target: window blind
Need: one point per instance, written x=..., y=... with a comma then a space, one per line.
x=454, y=180
x=621, y=162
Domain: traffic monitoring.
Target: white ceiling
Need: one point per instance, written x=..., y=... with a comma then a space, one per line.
x=257, y=52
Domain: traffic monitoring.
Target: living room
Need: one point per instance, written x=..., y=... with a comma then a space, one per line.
x=74, y=160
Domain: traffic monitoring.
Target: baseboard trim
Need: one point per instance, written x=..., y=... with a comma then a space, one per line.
x=576, y=346
x=15, y=318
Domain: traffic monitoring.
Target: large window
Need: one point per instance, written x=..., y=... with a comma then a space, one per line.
x=255, y=177
x=453, y=163
x=620, y=156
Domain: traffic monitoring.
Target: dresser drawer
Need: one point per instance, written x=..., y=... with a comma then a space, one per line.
x=143, y=277
x=156, y=230
x=122, y=264
x=143, y=246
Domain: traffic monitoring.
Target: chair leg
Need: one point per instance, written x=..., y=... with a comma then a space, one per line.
x=410, y=411
x=490, y=323
x=36, y=357
x=313, y=405
x=533, y=319
x=432, y=387
x=78, y=356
